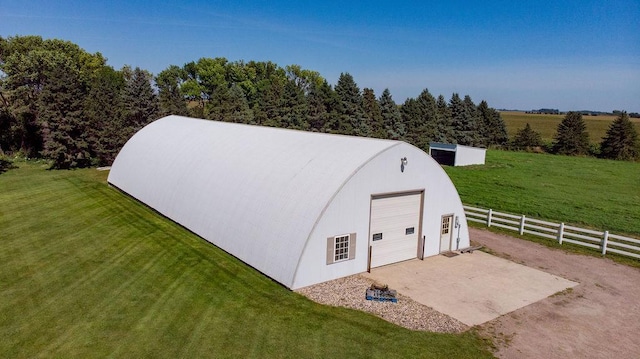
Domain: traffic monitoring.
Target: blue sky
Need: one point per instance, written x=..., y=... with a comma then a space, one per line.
x=570, y=55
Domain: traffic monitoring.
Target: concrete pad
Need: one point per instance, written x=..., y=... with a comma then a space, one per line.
x=472, y=287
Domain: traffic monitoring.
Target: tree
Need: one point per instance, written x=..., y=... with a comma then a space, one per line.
x=140, y=101
x=25, y=64
x=293, y=107
x=571, y=137
x=351, y=107
x=170, y=97
x=621, y=141
x=391, y=117
x=372, y=113
x=493, y=127
x=444, y=122
x=465, y=121
x=230, y=105
x=104, y=111
x=60, y=107
x=527, y=138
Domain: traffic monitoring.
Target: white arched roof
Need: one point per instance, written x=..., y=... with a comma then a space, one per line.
x=257, y=192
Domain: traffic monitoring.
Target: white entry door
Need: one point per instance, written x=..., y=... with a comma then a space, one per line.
x=445, y=233
x=394, y=227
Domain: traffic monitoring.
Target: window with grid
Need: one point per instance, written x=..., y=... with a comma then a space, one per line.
x=446, y=223
x=341, y=248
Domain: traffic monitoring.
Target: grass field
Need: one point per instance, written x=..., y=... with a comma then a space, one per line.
x=86, y=271
x=547, y=125
x=602, y=194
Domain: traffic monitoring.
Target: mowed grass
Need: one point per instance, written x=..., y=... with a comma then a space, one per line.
x=601, y=194
x=86, y=271
x=547, y=125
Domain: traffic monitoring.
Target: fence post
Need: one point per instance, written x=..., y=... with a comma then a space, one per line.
x=605, y=239
x=560, y=233
x=489, y=217
x=522, y=224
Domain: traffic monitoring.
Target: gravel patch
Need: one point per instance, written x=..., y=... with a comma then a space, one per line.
x=349, y=292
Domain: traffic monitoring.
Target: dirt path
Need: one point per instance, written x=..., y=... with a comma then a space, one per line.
x=599, y=318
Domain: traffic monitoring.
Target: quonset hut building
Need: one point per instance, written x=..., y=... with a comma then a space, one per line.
x=300, y=207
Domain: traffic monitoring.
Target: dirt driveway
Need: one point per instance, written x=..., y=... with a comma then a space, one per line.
x=599, y=318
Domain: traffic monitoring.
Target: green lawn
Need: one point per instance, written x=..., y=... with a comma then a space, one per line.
x=547, y=125
x=86, y=271
x=586, y=191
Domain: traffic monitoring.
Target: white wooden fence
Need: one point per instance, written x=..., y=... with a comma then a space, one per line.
x=605, y=242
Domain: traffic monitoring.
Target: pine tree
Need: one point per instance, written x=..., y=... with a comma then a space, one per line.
x=316, y=107
x=527, y=138
x=60, y=106
x=170, y=96
x=351, y=106
x=140, y=101
x=293, y=107
x=372, y=113
x=621, y=141
x=571, y=137
x=229, y=105
x=425, y=129
x=464, y=121
x=104, y=113
x=493, y=127
x=391, y=117
x=444, y=122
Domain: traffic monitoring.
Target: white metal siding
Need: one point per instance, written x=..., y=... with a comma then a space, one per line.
x=390, y=218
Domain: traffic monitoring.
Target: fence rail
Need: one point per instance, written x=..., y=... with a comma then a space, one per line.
x=603, y=241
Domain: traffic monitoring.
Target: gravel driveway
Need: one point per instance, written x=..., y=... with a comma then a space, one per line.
x=599, y=318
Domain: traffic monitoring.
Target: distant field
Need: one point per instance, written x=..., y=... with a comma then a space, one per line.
x=586, y=191
x=548, y=124
x=86, y=272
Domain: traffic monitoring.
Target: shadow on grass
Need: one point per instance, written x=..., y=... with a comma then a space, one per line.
x=6, y=165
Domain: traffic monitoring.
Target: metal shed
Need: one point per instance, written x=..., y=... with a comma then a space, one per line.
x=456, y=155
x=300, y=207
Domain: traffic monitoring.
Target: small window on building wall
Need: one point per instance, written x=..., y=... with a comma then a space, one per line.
x=341, y=248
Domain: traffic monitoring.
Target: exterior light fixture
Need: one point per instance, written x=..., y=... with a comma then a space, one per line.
x=403, y=162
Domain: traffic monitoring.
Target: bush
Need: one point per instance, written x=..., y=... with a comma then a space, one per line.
x=5, y=164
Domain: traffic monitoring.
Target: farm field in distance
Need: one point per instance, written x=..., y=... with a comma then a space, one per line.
x=584, y=191
x=547, y=125
x=86, y=271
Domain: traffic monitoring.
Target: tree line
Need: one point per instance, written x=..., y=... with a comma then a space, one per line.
x=621, y=141
x=61, y=103
x=64, y=104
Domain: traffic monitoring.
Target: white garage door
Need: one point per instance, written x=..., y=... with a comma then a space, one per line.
x=394, y=228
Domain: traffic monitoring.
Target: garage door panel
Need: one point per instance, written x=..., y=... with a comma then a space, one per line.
x=392, y=216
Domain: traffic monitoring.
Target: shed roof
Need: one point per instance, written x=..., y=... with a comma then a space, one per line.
x=255, y=191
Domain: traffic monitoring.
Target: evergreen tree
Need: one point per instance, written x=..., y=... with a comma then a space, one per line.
x=293, y=107
x=410, y=111
x=425, y=128
x=60, y=106
x=372, y=113
x=493, y=127
x=104, y=111
x=391, y=117
x=464, y=121
x=140, y=101
x=527, y=138
x=170, y=97
x=351, y=107
x=316, y=107
x=270, y=94
x=229, y=105
x=444, y=122
x=621, y=141
x=571, y=137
